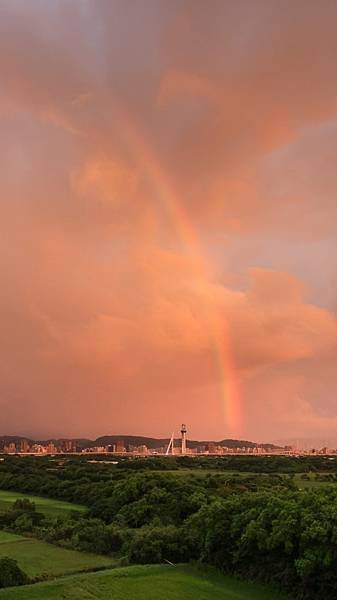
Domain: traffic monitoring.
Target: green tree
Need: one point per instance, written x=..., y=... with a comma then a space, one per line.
x=10, y=573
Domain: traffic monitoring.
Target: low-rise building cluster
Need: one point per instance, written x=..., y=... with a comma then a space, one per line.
x=69, y=446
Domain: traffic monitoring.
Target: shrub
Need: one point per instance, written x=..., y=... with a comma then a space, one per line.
x=10, y=573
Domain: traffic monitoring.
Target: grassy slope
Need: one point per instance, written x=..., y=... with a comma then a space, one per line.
x=39, y=558
x=51, y=508
x=143, y=583
x=9, y=537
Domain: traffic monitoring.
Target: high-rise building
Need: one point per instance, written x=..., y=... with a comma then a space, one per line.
x=68, y=446
x=120, y=446
x=24, y=446
x=10, y=448
x=51, y=448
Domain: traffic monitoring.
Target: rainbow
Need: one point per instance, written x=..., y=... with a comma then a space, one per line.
x=143, y=154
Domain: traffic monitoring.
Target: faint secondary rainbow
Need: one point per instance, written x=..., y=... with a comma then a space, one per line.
x=141, y=150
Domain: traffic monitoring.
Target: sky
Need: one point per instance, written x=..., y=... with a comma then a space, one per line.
x=168, y=207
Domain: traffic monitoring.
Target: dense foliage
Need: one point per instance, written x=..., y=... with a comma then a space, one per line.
x=254, y=524
x=10, y=573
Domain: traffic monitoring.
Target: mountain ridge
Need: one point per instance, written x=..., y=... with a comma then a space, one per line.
x=134, y=440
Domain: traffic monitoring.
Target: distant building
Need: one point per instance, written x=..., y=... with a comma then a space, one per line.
x=69, y=446
x=51, y=448
x=211, y=448
x=24, y=446
x=38, y=449
x=110, y=448
x=10, y=448
x=120, y=446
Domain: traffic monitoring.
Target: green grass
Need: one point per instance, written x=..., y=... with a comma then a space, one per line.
x=144, y=583
x=312, y=482
x=39, y=559
x=8, y=537
x=49, y=507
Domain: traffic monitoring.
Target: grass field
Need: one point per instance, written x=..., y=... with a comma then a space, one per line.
x=143, y=583
x=49, y=507
x=39, y=559
x=311, y=483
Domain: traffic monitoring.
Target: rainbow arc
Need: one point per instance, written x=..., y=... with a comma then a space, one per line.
x=218, y=328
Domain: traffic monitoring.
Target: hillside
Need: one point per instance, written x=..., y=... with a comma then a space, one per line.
x=144, y=583
x=133, y=440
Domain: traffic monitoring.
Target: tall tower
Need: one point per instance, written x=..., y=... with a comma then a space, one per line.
x=183, y=439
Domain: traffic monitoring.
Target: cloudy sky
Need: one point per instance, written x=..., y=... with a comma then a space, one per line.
x=168, y=217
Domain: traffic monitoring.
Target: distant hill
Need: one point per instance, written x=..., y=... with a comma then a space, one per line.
x=159, y=442
x=134, y=440
x=14, y=439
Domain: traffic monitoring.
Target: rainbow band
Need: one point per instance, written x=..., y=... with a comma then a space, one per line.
x=220, y=339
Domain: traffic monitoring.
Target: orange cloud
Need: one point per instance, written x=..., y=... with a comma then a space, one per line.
x=103, y=305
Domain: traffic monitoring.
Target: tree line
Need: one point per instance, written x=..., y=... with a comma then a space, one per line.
x=255, y=525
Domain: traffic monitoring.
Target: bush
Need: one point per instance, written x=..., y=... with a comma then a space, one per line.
x=90, y=535
x=23, y=505
x=24, y=523
x=10, y=573
x=155, y=545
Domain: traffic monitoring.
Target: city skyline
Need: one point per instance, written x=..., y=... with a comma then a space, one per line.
x=168, y=218
x=150, y=446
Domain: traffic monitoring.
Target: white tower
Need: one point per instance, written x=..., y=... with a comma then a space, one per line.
x=183, y=439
